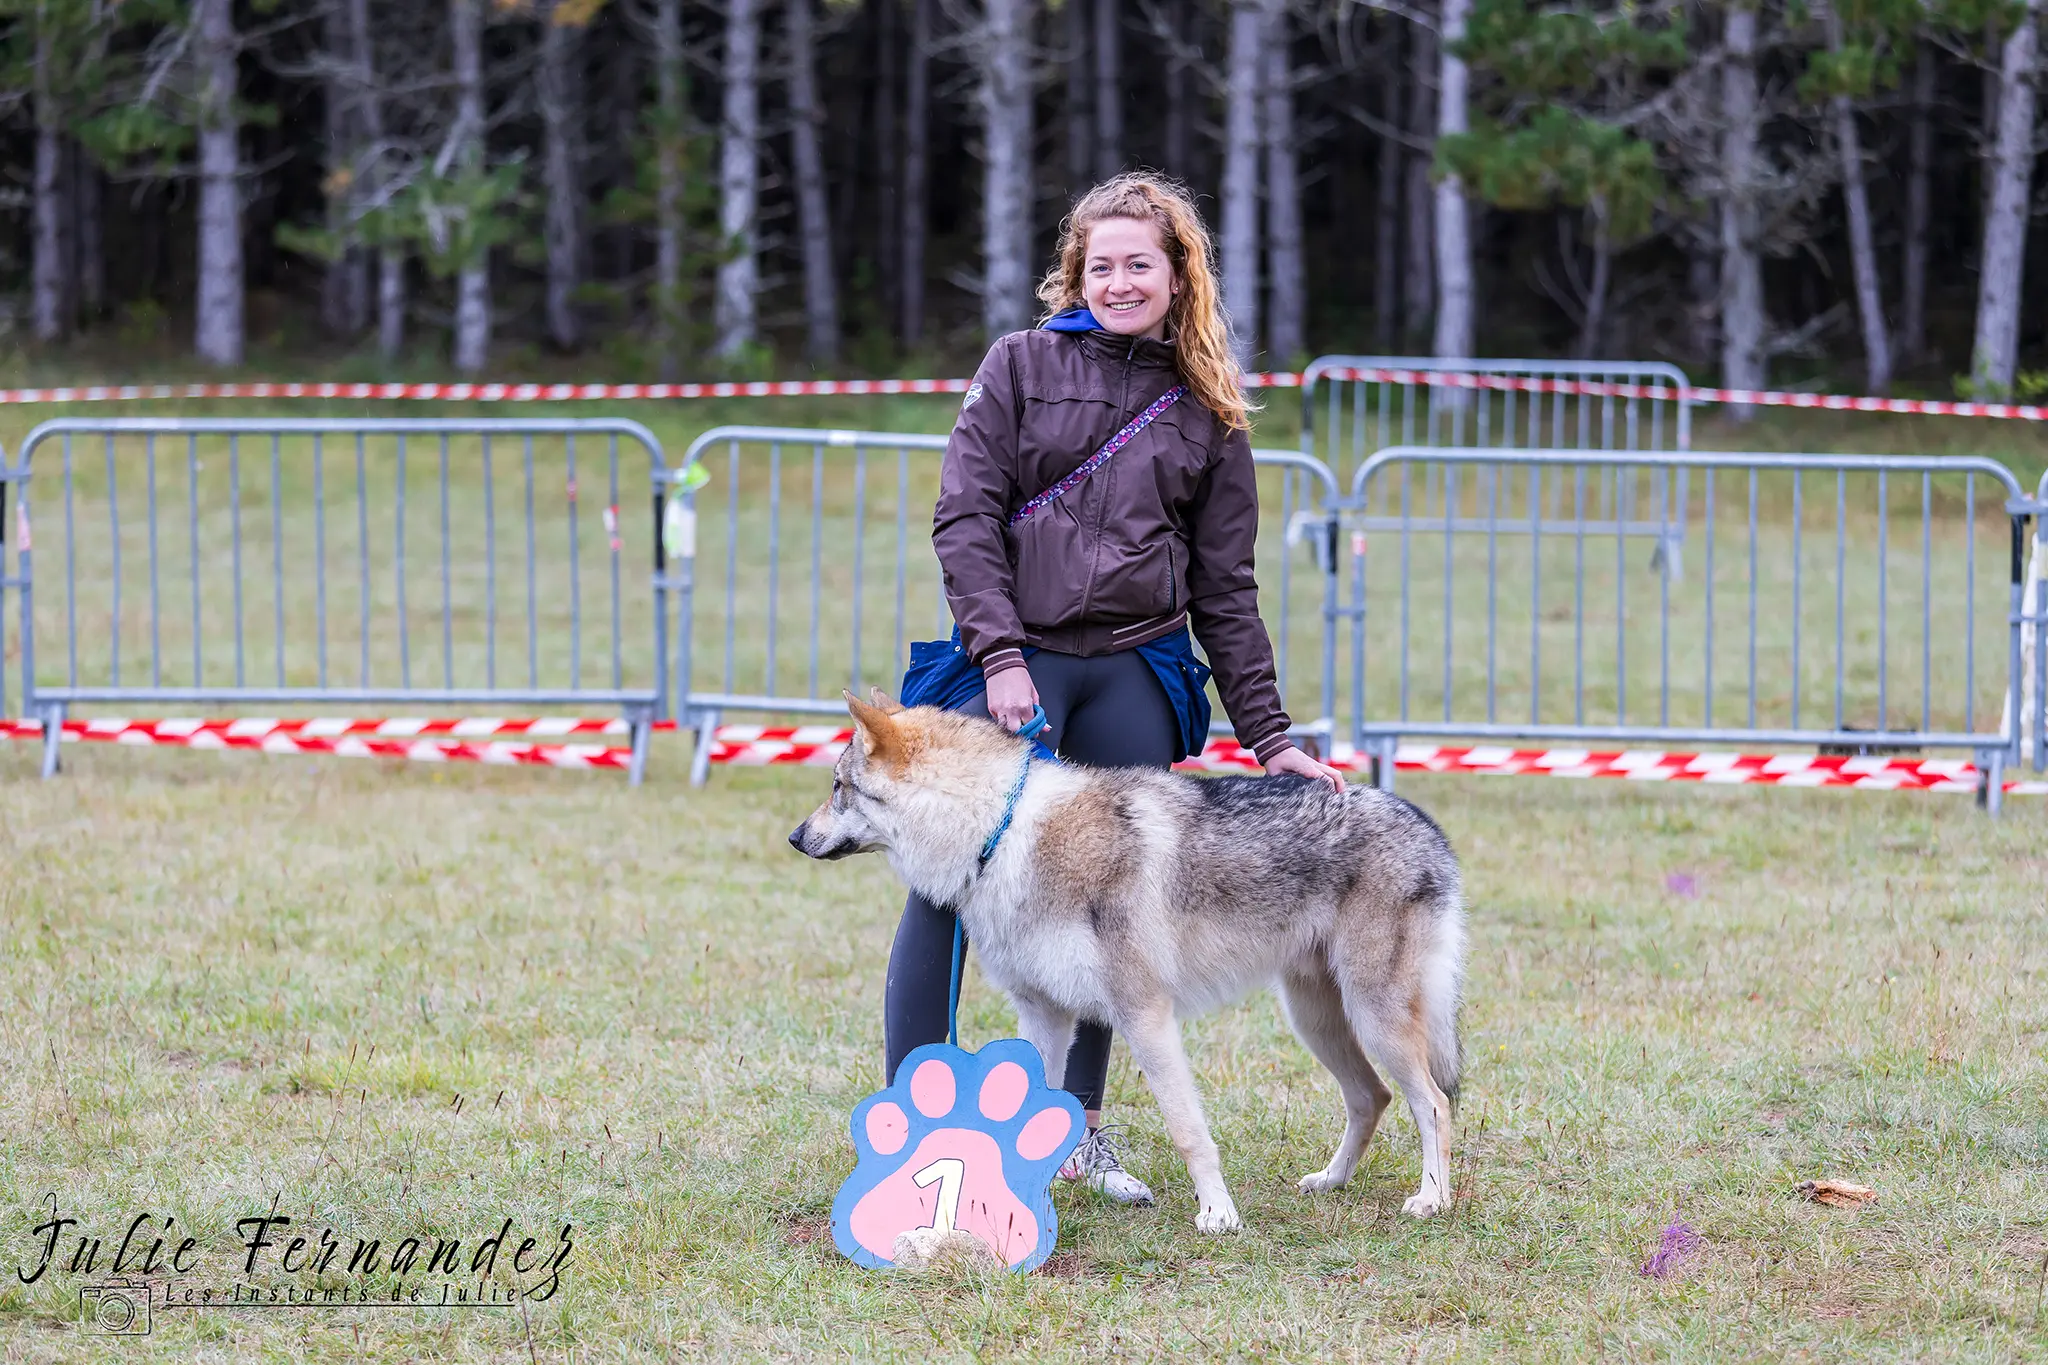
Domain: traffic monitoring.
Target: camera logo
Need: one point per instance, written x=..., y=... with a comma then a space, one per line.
x=114, y=1308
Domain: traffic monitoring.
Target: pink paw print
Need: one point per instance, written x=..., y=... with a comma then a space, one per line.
x=965, y=1142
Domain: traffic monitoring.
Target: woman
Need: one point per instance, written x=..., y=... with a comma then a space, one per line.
x=1082, y=603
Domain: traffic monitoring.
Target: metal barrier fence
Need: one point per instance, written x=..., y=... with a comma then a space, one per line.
x=1532, y=630
x=1362, y=415
x=2029, y=694
x=339, y=561
x=848, y=515
x=1370, y=403
x=1844, y=601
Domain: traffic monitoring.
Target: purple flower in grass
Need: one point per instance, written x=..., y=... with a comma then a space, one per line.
x=1679, y=1241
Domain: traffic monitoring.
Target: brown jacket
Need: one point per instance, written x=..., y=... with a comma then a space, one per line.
x=1160, y=535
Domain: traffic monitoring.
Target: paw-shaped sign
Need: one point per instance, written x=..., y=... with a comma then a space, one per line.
x=962, y=1142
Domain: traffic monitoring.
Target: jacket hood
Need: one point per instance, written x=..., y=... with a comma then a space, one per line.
x=1110, y=345
x=1075, y=319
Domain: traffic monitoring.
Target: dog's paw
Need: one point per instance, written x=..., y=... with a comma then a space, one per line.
x=1218, y=1218
x=1422, y=1206
x=1325, y=1179
x=962, y=1142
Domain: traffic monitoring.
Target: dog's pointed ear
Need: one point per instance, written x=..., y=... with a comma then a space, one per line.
x=877, y=729
x=884, y=703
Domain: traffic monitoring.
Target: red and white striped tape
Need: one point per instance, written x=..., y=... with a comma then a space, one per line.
x=796, y=388
x=526, y=393
x=257, y=728
x=820, y=746
x=484, y=740
x=425, y=741
x=1594, y=388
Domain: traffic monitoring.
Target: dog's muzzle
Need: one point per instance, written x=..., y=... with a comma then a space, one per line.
x=799, y=839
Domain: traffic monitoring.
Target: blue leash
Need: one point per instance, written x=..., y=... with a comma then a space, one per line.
x=1029, y=730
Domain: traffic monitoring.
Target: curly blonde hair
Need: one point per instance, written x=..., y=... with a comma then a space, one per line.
x=1195, y=317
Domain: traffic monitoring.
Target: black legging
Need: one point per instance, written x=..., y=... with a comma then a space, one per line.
x=1109, y=711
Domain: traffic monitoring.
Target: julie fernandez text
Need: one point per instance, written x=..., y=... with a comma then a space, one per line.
x=151, y=1245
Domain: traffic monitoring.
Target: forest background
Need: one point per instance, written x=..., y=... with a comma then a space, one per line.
x=1771, y=192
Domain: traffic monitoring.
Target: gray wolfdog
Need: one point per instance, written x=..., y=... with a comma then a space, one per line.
x=1136, y=897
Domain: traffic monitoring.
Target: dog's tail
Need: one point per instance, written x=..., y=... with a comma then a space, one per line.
x=1443, y=986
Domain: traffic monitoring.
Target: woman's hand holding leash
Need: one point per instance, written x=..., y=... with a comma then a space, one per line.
x=1301, y=765
x=1012, y=697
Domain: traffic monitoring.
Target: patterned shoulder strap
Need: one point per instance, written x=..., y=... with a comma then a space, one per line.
x=1101, y=457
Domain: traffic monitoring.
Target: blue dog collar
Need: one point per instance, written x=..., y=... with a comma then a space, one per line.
x=1029, y=730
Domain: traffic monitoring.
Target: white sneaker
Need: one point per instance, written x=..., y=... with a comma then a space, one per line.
x=1095, y=1163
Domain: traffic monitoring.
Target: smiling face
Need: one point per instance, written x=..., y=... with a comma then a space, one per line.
x=1127, y=279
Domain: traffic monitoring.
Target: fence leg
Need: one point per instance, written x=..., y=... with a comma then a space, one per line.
x=642, y=723
x=53, y=737
x=700, y=759
x=1991, y=781
x=1668, y=556
x=1383, y=763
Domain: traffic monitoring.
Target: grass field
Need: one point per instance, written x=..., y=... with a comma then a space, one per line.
x=406, y=1000
x=400, y=999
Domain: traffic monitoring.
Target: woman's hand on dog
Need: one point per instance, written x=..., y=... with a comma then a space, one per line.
x=1012, y=697
x=1292, y=760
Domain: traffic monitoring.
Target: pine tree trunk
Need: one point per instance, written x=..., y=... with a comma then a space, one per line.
x=916, y=141
x=1987, y=128
x=1240, y=251
x=1994, y=356
x=1006, y=188
x=613, y=111
x=1080, y=100
x=1877, y=342
x=217, y=330
x=1742, y=280
x=1703, y=290
x=368, y=185
x=473, y=282
x=1286, y=326
x=1877, y=346
x=1454, y=300
x=390, y=302
x=1593, y=327
x=889, y=194
x=1109, y=109
x=821, y=304
x=342, y=161
x=1919, y=211
x=559, y=89
x=88, y=198
x=739, y=172
x=1418, y=279
x=1386, y=237
x=1177, y=126
x=669, y=316
x=356, y=291
x=49, y=272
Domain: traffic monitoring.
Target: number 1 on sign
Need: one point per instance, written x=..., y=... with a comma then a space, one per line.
x=947, y=1173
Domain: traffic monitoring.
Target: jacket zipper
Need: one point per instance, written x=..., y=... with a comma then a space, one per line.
x=1172, y=579
x=1102, y=515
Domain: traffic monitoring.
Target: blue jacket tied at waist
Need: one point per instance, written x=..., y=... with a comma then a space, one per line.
x=941, y=675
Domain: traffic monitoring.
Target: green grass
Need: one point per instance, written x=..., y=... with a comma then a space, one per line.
x=406, y=999
x=402, y=999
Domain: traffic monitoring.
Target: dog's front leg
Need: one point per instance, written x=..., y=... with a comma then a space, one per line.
x=1048, y=1028
x=1154, y=1036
